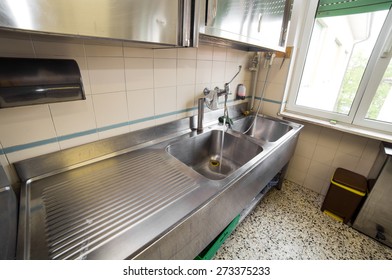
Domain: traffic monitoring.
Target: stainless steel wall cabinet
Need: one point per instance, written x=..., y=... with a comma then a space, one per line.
x=165, y=22
x=256, y=24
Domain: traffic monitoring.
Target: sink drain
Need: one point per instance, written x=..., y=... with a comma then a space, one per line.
x=214, y=163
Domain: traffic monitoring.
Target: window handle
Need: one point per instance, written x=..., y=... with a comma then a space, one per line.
x=386, y=50
x=259, y=24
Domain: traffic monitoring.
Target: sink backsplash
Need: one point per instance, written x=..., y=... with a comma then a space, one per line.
x=130, y=88
x=127, y=89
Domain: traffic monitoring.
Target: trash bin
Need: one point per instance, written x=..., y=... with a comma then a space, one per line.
x=345, y=194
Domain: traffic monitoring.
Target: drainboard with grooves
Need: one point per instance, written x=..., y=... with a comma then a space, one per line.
x=83, y=213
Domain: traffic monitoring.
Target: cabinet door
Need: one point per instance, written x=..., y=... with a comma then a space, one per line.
x=258, y=22
x=134, y=20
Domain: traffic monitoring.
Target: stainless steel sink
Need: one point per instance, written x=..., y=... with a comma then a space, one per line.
x=264, y=128
x=144, y=194
x=202, y=153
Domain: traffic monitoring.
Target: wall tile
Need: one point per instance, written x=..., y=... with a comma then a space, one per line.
x=139, y=73
x=22, y=125
x=138, y=52
x=276, y=74
x=45, y=48
x=106, y=74
x=199, y=90
x=218, y=74
x=320, y=170
x=274, y=91
x=296, y=176
x=165, y=53
x=14, y=46
x=140, y=104
x=270, y=109
x=142, y=125
x=310, y=132
x=352, y=144
x=329, y=138
x=185, y=97
x=167, y=119
x=300, y=163
x=165, y=100
x=165, y=72
x=33, y=152
x=230, y=70
x=73, y=117
x=204, y=52
x=314, y=183
x=346, y=161
x=203, y=72
x=233, y=55
x=68, y=143
x=371, y=150
x=364, y=166
x=113, y=132
x=324, y=155
x=186, y=72
x=110, y=109
x=103, y=50
x=305, y=148
x=219, y=53
x=187, y=53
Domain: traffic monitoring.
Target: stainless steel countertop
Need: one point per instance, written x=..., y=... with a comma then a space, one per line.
x=114, y=206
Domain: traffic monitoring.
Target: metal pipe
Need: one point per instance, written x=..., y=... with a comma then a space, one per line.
x=255, y=69
x=200, y=113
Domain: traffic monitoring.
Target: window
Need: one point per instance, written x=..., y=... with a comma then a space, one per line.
x=344, y=72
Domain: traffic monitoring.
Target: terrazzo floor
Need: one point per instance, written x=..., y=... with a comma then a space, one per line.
x=288, y=224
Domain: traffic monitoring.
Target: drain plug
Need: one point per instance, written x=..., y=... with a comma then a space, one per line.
x=214, y=163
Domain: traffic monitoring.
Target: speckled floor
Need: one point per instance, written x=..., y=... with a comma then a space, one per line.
x=288, y=224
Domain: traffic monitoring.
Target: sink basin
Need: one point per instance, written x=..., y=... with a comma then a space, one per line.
x=202, y=153
x=264, y=128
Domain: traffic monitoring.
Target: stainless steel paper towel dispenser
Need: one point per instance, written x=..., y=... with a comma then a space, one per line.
x=30, y=81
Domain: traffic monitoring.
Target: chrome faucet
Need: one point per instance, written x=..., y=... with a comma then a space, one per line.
x=211, y=100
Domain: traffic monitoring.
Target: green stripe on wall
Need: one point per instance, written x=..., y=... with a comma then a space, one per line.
x=34, y=144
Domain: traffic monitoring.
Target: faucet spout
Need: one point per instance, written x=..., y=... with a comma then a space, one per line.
x=211, y=100
x=200, y=114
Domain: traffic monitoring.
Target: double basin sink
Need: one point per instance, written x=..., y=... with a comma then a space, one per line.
x=160, y=193
x=216, y=155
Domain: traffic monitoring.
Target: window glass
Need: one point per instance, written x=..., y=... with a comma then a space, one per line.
x=337, y=57
x=380, y=108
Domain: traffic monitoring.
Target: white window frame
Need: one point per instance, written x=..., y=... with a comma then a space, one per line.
x=372, y=76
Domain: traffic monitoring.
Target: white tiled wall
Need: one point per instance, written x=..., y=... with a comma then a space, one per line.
x=131, y=88
x=319, y=150
x=127, y=88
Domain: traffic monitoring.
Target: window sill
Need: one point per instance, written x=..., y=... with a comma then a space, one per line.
x=344, y=127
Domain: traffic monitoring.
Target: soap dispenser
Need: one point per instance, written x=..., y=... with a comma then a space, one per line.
x=241, y=92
